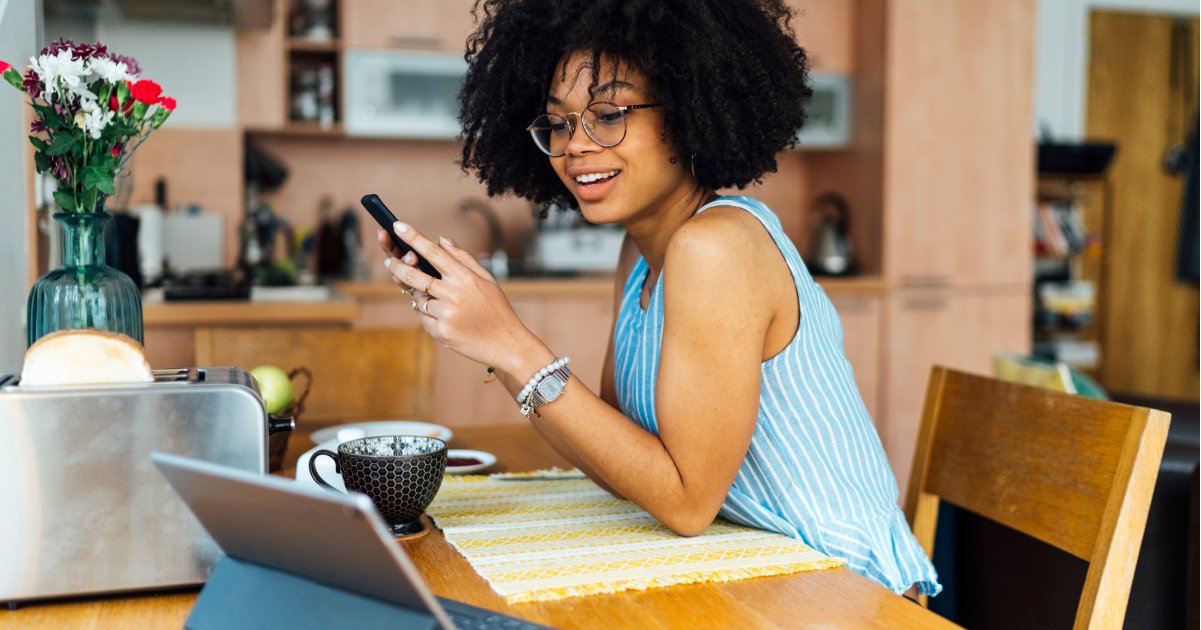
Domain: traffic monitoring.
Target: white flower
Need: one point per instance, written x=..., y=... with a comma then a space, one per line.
x=97, y=121
x=109, y=70
x=61, y=69
x=92, y=119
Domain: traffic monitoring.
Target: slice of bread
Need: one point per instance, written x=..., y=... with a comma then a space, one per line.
x=85, y=357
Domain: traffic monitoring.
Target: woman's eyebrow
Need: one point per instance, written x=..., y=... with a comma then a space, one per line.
x=608, y=87
x=612, y=86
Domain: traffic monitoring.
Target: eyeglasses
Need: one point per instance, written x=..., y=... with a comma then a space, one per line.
x=604, y=122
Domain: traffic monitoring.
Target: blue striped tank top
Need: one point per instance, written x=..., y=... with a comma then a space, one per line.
x=815, y=469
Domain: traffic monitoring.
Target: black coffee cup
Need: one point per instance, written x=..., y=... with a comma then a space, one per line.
x=400, y=473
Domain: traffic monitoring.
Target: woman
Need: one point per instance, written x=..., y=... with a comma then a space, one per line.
x=725, y=389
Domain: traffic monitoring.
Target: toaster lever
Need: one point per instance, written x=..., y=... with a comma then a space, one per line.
x=279, y=424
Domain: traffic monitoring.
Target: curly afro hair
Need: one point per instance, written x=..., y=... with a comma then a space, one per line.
x=729, y=75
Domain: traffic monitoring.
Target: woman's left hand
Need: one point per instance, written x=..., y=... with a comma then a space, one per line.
x=465, y=309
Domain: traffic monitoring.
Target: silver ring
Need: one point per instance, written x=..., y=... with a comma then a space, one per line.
x=408, y=291
x=425, y=306
x=413, y=305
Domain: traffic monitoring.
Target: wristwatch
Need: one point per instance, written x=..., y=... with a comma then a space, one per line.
x=547, y=390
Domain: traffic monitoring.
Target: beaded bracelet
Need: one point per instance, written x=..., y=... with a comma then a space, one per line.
x=538, y=376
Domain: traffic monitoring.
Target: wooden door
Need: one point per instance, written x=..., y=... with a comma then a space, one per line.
x=1138, y=98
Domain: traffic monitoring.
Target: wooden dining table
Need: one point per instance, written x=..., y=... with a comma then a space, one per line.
x=828, y=598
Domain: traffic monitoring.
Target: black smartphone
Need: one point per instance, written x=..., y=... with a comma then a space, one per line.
x=386, y=219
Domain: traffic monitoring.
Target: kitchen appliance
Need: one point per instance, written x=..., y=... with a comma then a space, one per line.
x=403, y=94
x=84, y=511
x=830, y=251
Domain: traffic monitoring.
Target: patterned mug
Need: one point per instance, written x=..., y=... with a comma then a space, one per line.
x=400, y=473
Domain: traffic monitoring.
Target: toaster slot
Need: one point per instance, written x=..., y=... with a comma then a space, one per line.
x=182, y=375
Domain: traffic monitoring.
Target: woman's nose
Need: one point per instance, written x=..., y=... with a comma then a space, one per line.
x=580, y=142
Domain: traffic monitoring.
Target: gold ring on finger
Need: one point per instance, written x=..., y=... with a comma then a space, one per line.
x=413, y=305
x=428, y=285
x=408, y=291
x=425, y=306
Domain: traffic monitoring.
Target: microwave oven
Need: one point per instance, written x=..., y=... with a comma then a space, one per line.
x=407, y=94
x=827, y=114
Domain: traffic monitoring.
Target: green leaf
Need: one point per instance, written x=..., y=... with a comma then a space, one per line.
x=63, y=142
x=38, y=143
x=41, y=162
x=64, y=200
x=98, y=178
x=122, y=94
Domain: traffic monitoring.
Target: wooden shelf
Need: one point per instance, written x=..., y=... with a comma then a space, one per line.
x=302, y=130
x=300, y=44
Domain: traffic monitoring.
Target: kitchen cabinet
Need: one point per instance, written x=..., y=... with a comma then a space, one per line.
x=860, y=317
x=414, y=25
x=289, y=83
x=955, y=327
x=958, y=159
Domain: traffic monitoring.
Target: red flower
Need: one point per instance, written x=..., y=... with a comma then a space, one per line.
x=168, y=103
x=116, y=151
x=4, y=66
x=146, y=91
x=113, y=105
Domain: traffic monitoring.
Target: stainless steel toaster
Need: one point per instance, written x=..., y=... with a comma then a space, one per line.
x=83, y=511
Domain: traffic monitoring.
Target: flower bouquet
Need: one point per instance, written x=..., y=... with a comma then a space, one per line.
x=92, y=110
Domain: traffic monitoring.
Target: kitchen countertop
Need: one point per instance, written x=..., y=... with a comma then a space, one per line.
x=586, y=286
x=594, y=285
x=343, y=309
x=207, y=313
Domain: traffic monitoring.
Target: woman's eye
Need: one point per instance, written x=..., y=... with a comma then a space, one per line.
x=610, y=118
x=559, y=127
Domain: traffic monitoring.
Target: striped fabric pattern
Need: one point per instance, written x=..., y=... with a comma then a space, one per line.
x=816, y=469
x=537, y=540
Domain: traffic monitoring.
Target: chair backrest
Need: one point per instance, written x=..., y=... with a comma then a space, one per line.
x=1073, y=472
x=357, y=374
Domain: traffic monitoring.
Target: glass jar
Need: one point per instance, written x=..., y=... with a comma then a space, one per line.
x=85, y=292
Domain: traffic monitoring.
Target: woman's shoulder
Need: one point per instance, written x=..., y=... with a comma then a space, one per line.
x=729, y=226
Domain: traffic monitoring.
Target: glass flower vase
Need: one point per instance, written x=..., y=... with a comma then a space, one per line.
x=85, y=292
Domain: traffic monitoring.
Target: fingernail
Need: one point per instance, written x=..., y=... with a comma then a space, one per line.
x=388, y=263
x=447, y=242
x=410, y=258
x=400, y=227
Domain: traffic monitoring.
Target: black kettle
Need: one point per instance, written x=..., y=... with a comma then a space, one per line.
x=830, y=251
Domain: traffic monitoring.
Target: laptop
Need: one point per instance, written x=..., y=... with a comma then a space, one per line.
x=293, y=530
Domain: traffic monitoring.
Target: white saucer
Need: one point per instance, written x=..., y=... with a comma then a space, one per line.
x=486, y=460
x=385, y=427
x=325, y=466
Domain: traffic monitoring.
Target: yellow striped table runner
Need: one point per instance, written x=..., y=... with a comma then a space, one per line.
x=537, y=540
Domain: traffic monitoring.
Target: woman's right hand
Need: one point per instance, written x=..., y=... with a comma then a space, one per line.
x=465, y=310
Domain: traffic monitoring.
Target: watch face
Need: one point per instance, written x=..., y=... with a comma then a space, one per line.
x=550, y=388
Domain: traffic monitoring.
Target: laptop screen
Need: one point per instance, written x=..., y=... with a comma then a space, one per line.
x=336, y=539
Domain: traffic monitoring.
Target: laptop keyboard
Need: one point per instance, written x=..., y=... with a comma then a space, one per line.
x=489, y=622
x=468, y=617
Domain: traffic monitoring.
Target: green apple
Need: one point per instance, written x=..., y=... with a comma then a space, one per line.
x=274, y=386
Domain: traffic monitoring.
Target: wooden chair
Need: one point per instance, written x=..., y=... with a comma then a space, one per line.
x=357, y=374
x=1073, y=472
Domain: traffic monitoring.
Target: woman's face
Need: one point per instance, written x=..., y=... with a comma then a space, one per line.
x=630, y=180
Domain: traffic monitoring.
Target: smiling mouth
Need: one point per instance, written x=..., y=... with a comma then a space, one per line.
x=595, y=179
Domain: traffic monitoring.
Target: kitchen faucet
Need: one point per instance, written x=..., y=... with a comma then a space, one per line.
x=498, y=263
